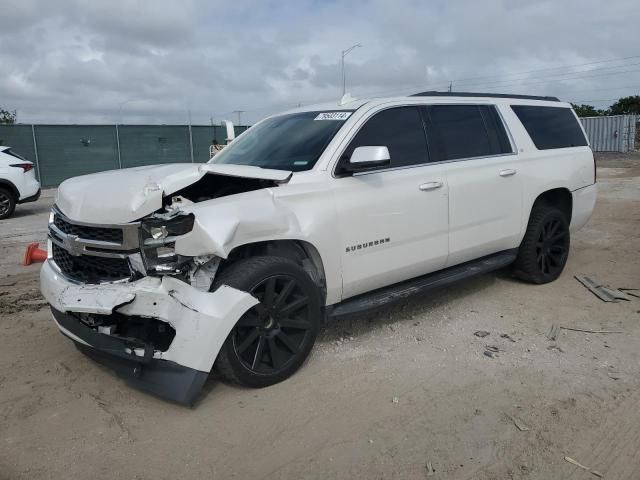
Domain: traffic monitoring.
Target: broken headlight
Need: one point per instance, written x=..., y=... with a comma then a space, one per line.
x=159, y=235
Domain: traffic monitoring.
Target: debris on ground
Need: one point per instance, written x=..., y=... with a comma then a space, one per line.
x=518, y=423
x=555, y=348
x=492, y=348
x=481, y=333
x=430, y=470
x=579, y=465
x=508, y=337
x=489, y=354
x=586, y=330
x=603, y=292
x=629, y=290
x=554, y=332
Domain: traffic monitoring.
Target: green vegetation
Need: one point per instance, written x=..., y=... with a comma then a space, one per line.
x=625, y=105
x=7, y=117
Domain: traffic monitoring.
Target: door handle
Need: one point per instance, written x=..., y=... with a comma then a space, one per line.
x=425, y=187
x=508, y=172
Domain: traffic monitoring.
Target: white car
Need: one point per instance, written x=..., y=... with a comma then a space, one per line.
x=165, y=272
x=18, y=182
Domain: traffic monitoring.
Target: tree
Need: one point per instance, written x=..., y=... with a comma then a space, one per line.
x=7, y=116
x=625, y=106
x=586, y=110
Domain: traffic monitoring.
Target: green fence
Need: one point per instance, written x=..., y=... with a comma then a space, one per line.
x=64, y=151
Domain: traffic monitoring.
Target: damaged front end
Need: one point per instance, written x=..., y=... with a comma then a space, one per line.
x=130, y=301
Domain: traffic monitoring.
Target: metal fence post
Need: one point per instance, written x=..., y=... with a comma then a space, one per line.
x=190, y=142
x=118, y=147
x=35, y=151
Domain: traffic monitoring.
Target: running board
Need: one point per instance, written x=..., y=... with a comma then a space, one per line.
x=387, y=295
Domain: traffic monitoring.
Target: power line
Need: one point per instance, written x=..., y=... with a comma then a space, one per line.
x=552, y=68
x=508, y=82
x=553, y=80
x=514, y=81
x=561, y=75
x=596, y=101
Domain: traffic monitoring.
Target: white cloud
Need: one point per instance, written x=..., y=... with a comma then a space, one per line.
x=80, y=61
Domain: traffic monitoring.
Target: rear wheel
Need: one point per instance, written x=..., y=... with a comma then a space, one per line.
x=272, y=339
x=7, y=203
x=544, y=249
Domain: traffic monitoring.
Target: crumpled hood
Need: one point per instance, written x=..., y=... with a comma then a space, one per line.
x=122, y=196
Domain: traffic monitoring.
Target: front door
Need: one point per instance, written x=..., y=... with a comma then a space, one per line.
x=393, y=222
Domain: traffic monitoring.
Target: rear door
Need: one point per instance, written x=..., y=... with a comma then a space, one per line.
x=485, y=194
x=393, y=222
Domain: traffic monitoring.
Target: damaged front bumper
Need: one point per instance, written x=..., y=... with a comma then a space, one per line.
x=177, y=371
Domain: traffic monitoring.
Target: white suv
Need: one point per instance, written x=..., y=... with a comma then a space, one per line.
x=164, y=272
x=18, y=182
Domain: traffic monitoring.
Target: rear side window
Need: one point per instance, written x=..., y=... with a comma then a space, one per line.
x=400, y=130
x=8, y=151
x=465, y=131
x=551, y=127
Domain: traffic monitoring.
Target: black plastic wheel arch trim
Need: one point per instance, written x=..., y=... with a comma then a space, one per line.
x=32, y=198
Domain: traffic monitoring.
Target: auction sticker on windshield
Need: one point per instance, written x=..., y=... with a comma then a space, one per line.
x=333, y=116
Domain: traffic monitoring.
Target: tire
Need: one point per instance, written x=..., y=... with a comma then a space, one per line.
x=7, y=203
x=272, y=339
x=544, y=249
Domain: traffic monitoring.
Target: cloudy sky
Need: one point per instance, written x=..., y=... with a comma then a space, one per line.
x=97, y=61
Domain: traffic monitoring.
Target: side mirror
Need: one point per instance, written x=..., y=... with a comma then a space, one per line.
x=364, y=158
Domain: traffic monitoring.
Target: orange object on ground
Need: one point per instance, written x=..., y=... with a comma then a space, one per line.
x=34, y=254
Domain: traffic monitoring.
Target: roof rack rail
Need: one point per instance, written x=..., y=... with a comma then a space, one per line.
x=476, y=94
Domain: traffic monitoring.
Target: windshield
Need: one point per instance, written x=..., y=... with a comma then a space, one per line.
x=287, y=142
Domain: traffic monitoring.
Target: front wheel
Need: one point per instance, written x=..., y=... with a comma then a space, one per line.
x=272, y=339
x=544, y=249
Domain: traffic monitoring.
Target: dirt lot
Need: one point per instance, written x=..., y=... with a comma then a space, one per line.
x=380, y=397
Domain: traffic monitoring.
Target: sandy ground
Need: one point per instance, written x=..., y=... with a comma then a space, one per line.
x=381, y=396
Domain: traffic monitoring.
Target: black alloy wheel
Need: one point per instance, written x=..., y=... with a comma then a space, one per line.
x=274, y=337
x=544, y=250
x=552, y=248
x=272, y=333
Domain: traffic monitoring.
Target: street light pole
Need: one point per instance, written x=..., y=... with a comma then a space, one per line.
x=344, y=76
x=120, y=109
x=239, y=112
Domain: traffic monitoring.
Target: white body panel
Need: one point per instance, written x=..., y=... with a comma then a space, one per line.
x=387, y=225
x=584, y=201
x=25, y=183
x=202, y=320
x=485, y=207
x=140, y=189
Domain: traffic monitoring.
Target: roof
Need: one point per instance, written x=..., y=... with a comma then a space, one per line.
x=487, y=95
x=354, y=104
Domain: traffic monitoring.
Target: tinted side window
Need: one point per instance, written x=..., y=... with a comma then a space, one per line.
x=464, y=131
x=400, y=130
x=550, y=127
x=495, y=129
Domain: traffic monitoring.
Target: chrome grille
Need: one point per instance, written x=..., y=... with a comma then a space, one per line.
x=91, y=253
x=90, y=269
x=89, y=233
